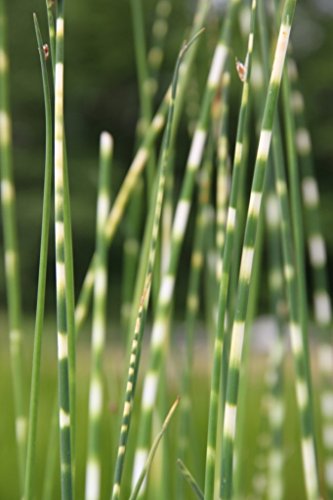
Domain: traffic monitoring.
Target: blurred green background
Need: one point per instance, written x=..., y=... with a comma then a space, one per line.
x=101, y=93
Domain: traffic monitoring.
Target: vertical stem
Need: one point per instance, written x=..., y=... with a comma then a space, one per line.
x=246, y=267
x=228, y=250
x=93, y=469
x=318, y=265
x=160, y=327
x=152, y=237
x=62, y=320
x=11, y=249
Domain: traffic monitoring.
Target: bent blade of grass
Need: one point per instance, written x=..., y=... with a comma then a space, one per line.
x=13, y=289
x=190, y=479
x=93, y=466
x=35, y=380
x=152, y=451
x=246, y=267
x=155, y=224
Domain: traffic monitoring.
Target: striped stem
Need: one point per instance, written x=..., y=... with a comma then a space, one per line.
x=298, y=337
x=275, y=376
x=224, y=283
x=318, y=263
x=136, y=168
x=223, y=174
x=185, y=72
x=93, y=469
x=35, y=379
x=238, y=330
x=62, y=320
x=296, y=212
x=160, y=327
x=51, y=28
x=119, y=205
x=135, y=210
x=156, y=52
x=140, y=323
x=12, y=278
x=192, y=307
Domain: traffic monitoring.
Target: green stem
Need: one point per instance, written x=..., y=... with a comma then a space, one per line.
x=12, y=278
x=35, y=381
x=61, y=271
x=246, y=267
x=93, y=469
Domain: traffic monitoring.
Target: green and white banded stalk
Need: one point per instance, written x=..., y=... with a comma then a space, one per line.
x=11, y=255
x=160, y=327
x=156, y=52
x=62, y=320
x=296, y=320
x=93, y=469
x=226, y=260
x=154, y=226
x=119, y=204
x=137, y=166
x=223, y=174
x=276, y=409
x=246, y=267
x=318, y=262
x=204, y=214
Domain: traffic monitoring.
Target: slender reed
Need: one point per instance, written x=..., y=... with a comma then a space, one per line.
x=35, y=379
x=51, y=28
x=119, y=205
x=156, y=52
x=62, y=320
x=318, y=264
x=160, y=327
x=192, y=306
x=185, y=71
x=238, y=330
x=135, y=210
x=136, y=168
x=298, y=337
x=11, y=256
x=226, y=264
x=223, y=174
x=93, y=469
x=139, y=327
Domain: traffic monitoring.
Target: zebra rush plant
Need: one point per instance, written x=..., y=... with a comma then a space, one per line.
x=162, y=401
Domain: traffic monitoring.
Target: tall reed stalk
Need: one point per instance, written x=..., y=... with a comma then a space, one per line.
x=61, y=275
x=93, y=469
x=11, y=254
x=238, y=330
x=139, y=327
